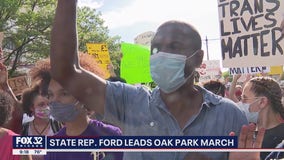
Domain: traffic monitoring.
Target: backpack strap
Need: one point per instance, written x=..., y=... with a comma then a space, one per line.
x=55, y=125
x=25, y=129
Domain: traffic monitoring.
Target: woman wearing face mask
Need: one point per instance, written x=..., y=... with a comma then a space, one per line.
x=15, y=123
x=65, y=108
x=263, y=96
x=68, y=110
x=6, y=135
x=244, y=107
x=36, y=105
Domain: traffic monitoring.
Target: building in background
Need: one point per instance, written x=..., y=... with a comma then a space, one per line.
x=144, y=38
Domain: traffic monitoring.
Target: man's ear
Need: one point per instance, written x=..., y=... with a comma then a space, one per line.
x=199, y=58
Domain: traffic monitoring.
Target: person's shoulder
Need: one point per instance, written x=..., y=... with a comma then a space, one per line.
x=229, y=104
x=55, y=125
x=116, y=84
x=61, y=132
x=214, y=99
x=219, y=102
x=105, y=129
x=127, y=88
x=10, y=132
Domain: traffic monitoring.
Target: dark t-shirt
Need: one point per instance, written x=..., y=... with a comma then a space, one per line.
x=95, y=128
x=272, y=138
x=278, y=154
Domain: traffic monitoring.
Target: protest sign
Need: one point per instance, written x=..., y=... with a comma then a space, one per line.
x=248, y=70
x=18, y=84
x=276, y=70
x=100, y=52
x=135, y=64
x=209, y=70
x=250, y=32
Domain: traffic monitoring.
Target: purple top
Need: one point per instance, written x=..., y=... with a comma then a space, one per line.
x=95, y=128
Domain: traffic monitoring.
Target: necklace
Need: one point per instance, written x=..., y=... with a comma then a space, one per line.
x=40, y=133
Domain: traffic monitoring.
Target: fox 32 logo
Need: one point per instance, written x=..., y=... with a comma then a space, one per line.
x=28, y=142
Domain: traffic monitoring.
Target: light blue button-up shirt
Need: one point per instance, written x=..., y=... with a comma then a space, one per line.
x=139, y=112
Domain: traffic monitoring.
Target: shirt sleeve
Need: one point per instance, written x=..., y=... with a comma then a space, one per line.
x=119, y=97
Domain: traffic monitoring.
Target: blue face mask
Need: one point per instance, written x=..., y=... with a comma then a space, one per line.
x=167, y=70
x=64, y=112
x=251, y=116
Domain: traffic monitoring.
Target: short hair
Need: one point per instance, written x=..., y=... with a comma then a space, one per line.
x=28, y=97
x=40, y=73
x=6, y=107
x=193, y=34
x=216, y=87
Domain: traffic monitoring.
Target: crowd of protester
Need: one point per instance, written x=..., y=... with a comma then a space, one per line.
x=68, y=90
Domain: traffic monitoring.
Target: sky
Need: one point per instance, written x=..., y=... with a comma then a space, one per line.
x=129, y=18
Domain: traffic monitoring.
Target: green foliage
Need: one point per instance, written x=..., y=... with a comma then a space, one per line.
x=27, y=32
x=8, y=9
x=227, y=76
x=91, y=29
x=27, y=26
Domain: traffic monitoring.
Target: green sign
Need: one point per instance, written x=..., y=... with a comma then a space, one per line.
x=135, y=63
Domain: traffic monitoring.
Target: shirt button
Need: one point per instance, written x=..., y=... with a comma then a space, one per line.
x=152, y=124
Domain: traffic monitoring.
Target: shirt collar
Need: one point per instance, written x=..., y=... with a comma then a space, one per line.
x=209, y=99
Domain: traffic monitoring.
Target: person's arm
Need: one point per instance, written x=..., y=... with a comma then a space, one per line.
x=248, y=77
x=111, y=70
x=14, y=124
x=232, y=89
x=4, y=85
x=65, y=69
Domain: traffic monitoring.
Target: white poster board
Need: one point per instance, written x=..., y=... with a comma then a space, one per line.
x=248, y=70
x=250, y=32
x=209, y=70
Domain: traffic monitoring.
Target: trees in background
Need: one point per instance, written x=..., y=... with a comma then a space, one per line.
x=91, y=29
x=27, y=25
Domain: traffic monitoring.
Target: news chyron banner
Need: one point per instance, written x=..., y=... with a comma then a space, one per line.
x=251, y=35
x=40, y=145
